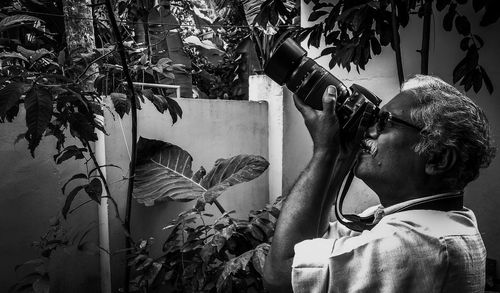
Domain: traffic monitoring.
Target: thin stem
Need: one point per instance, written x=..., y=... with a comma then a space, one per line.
x=396, y=42
x=426, y=33
x=221, y=209
x=121, y=50
x=80, y=205
x=94, y=61
x=123, y=57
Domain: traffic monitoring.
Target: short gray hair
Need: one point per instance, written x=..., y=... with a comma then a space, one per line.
x=449, y=119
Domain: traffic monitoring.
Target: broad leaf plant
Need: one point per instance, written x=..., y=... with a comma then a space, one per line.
x=200, y=254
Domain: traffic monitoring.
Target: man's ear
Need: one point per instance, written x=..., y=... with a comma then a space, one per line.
x=441, y=162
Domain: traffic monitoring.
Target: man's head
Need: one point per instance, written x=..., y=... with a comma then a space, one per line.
x=448, y=146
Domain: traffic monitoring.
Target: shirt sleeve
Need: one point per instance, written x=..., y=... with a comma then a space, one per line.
x=310, y=272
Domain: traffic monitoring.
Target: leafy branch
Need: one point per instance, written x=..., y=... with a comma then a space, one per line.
x=354, y=30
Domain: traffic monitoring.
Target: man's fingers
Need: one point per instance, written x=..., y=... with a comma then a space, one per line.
x=329, y=99
x=301, y=106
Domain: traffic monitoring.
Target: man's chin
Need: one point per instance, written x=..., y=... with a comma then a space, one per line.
x=361, y=169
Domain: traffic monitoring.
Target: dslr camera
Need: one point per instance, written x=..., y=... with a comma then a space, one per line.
x=290, y=66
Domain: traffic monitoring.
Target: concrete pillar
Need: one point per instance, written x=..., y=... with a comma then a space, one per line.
x=262, y=88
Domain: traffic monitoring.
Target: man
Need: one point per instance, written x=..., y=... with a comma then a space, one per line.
x=429, y=141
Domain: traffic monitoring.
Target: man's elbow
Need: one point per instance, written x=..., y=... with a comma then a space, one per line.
x=277, y=277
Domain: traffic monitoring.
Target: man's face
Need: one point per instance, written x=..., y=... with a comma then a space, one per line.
x=389, y=161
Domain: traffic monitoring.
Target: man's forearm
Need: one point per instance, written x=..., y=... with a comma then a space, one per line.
x=300, y=217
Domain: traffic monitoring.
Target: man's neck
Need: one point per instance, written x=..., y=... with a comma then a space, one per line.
x=395, y=196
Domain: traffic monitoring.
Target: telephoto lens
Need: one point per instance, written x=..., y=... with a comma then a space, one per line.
x=290, y=66
x=303, y=76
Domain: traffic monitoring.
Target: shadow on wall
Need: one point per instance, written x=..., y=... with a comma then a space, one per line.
x=30, y=197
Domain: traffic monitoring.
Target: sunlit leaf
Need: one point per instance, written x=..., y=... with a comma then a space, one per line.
x=228, y=172
x=163, y=173
x=259, y=257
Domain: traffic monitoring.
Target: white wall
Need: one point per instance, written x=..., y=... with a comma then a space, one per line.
x=208, y=130
x=380, y=77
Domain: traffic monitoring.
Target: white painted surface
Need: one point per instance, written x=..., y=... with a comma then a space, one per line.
x=262, y=88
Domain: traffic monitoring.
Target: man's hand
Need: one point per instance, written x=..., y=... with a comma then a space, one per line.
x=323, y=126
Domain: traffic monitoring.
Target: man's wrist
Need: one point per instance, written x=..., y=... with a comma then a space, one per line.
x=325, y=153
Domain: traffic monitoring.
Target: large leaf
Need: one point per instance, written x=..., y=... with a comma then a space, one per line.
x=229, y=172
x=38, y=105
x=164, y=173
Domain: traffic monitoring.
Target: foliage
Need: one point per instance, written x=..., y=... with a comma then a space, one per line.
x=51, y=82
x=224, y=256
x=38, y=70
x=164, y=173
x=57, y=238
x=352, y=30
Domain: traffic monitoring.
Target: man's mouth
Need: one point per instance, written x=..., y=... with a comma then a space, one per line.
x=369, y=146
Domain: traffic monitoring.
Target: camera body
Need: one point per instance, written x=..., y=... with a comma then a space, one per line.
x=290, y=66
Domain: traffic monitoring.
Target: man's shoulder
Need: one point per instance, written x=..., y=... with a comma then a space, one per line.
x=435, y=224
x=413, y=230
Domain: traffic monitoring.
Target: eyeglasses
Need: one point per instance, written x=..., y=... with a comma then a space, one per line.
x=386, y=118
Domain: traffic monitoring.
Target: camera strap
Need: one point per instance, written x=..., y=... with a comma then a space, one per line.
x=439, y=202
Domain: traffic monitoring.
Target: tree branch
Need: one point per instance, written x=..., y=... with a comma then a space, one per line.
x=396, y=42
x=123, y=57
x=426, y=35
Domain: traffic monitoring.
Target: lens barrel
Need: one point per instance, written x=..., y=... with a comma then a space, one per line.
x=290, y=66
x=303, y=76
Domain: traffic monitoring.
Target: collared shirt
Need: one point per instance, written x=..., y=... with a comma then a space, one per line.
x=410, y=251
